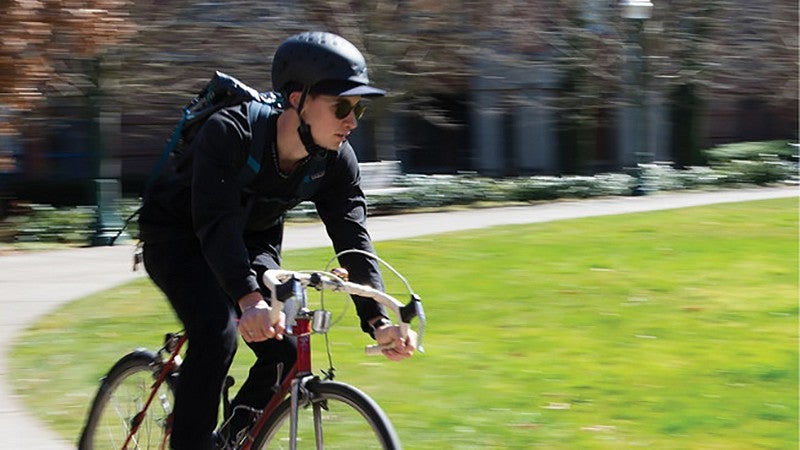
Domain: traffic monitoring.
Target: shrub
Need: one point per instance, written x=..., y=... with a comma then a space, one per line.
x=755, y=162
x=734, y=164
x=751, y=151
x=45, y=223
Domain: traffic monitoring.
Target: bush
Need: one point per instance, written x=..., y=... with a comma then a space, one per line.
x=751, y=151
x=755, y=162
x=731, y=165
x=44, y=223
x=431, y=191
x=770, y=170
x=32, y=222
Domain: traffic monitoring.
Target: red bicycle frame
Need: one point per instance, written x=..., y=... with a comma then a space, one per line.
x=302, y=367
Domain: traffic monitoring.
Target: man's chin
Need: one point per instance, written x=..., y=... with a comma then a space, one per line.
x=332, y=146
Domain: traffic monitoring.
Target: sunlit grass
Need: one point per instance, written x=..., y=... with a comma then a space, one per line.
x=674, y=329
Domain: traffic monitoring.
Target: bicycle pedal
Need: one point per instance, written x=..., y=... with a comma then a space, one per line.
x=226, y=403
x=138, y=258
x=221, y=443
x=229, y=381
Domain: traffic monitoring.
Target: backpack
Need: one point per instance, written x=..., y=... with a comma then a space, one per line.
x=220, y=92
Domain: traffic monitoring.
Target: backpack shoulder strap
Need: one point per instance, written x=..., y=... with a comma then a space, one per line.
x=168, y=149
x=258, y=115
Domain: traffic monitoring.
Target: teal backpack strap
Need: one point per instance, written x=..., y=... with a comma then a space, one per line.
x=258, y=115
x=164, y=157
x=157, y=169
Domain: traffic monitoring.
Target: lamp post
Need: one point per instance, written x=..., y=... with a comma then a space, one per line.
x=639, y=11
x=636, y=9
x=108, y=224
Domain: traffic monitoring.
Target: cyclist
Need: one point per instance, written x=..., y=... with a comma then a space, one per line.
x=207, y=239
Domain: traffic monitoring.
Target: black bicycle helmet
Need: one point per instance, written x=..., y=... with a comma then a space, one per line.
x=317, y=62
x=321, y=63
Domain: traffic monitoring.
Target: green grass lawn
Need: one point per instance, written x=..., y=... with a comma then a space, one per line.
x=669, y=330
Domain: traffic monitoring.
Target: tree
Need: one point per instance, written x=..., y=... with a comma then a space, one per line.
x=46, y=45
x=422, y=50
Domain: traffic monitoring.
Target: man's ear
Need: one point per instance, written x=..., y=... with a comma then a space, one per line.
x=294, y=99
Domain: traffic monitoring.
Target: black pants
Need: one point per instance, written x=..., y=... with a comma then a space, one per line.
x=209, y=316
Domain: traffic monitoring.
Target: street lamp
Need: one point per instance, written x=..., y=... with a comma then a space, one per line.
x=639, y=10
x=636, y=9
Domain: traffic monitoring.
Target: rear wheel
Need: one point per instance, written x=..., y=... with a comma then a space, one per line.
x=119, y=402
x=344, y=417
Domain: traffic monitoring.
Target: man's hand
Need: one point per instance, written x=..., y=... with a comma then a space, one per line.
x=389, y=335
x=255, y=324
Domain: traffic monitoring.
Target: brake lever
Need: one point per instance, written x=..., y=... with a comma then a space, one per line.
x=421, y=327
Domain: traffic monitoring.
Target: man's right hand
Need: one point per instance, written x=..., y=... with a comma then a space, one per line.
x=255, y=324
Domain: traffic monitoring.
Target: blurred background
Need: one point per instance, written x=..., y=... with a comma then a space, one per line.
x=91, y=90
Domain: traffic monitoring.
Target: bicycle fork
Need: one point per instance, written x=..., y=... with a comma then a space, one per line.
x=294, y=384
x=302, y=329
x=301, y=392
x=299, y=387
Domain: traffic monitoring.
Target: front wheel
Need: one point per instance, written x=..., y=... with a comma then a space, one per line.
x=336, y=416
x=119, y=405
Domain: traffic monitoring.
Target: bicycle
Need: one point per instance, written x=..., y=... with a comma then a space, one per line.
x=133, y=406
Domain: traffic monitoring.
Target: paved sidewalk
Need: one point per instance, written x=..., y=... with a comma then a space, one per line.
x=32, y=284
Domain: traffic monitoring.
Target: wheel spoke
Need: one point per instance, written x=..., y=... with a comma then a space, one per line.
x=119, y=404
x=339, y=417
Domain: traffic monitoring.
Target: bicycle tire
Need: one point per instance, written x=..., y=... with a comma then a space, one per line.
x=351, y=419
x=121, y=395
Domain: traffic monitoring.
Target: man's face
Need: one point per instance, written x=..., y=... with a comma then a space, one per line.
x=331, y=118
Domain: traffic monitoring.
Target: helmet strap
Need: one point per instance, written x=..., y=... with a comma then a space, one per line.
x=304, y=130
x=302, y=101
x=316, y=151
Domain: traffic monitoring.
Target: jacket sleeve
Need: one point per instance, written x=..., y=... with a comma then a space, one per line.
x=217, y=210
x=342, y=206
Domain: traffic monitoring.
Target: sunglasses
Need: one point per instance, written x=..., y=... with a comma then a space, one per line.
x=343, y=109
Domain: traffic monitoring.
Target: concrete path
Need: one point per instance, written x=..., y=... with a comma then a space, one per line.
x=32, y=284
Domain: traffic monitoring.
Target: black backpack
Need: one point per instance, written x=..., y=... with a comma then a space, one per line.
x=220, y=92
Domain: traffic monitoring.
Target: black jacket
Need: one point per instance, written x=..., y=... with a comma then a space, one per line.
x=240, y=228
